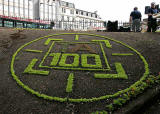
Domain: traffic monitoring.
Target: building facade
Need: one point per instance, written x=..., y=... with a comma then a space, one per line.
x=76, y=19
x=64, y=14
x=17, y=8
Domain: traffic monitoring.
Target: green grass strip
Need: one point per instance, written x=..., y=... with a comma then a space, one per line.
x=50, y=48
x=122, y=54
x=100, y=112
x=84, y=59
x=77, y=37
x=105, y=41
x=120, y=73
x=30, y=70
x=108, y=44
x=75, y=61
x=120, y=70
x=105, y=58
x=77, y=42
x=70, y=83
x=72, y=68
x=34, y=51
x=55, y=58
x=50, y=39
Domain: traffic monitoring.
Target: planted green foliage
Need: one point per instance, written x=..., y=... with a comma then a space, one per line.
x=77, y=37
x=75, y=61
x=30, y=70
x=50, y=48
x=133, y=92
x=145, y=75
x=70, y=83
x=84, y=60
x=100, y=112
x=50, y=39
x=34, y=51
x=110, y=107
x=125, y=96
x=120, y=73
x=151, y=79
x=158, y=79
x=107, y=43
x=122, y=54
x=55, y=58
x=105, y=58
x=117, y=102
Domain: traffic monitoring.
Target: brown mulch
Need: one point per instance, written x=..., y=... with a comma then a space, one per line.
x=16, y=100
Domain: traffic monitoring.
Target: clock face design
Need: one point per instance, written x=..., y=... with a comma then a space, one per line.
x=77, y=67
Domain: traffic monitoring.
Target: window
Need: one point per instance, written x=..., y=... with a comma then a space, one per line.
x=62, y=18
x=71, y=5
x=63, y=3
x=6, y=12
x=67, y=4
x=87, y=14
x=81, y=12
x=84, y=13
x=73, y=19
x=63, y=10
x=72, y=11
x=77, y=12
x=67, y=18
x=19, y=25
x=93, y=15
x=29, y=25
x=8, y=23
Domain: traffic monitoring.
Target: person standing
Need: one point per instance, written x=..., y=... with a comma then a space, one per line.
x=152, y=22
x=135, y=19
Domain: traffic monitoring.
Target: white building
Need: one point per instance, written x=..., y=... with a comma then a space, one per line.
x=47, y=9
x=63, y=14
x=89, y=20
x=75, y=19
x=17, y=8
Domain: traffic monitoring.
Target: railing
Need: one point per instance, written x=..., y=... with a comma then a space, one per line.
x=78, y=25
x=63, y=25
x=6, y=21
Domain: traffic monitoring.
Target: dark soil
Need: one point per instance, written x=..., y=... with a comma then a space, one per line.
x=15, y=100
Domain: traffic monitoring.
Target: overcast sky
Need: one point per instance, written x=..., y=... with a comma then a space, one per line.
x=113, y=9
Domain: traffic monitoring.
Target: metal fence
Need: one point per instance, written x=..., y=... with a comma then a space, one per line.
x=51, y=24
x=79, y=25
x=63, y=25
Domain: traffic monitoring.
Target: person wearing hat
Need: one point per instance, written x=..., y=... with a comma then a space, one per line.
x=152, y=22
x=135, y=19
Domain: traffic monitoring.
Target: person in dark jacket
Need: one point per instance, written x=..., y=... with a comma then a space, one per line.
x=135, y=19
x=152, y=22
